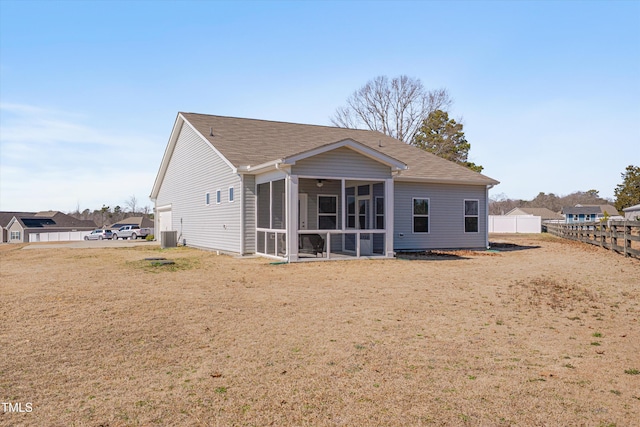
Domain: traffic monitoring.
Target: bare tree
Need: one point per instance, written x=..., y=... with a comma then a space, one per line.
x=132, y=203
x=395, y=107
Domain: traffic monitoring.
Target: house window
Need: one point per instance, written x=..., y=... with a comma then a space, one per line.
x=471, y=216
x=218, y=196
x=380, y=213
x=587, y=217
x=420, y=215
x=207, y=199
x=15, y=235
x=575, y=217
x=231, y=194
x=327, y=212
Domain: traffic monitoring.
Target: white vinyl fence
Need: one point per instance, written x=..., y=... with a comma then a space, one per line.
x=515, y=224
x=58, y=236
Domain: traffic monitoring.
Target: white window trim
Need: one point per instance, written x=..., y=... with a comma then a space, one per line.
x=232, y=197
x=465, y=216
x=218, y=196
x=428, y=215
x=327, y=214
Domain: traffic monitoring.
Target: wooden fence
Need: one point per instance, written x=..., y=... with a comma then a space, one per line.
x=618, y=236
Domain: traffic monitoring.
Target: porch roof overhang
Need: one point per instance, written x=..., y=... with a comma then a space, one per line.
x=485, y=183
x=285, y=163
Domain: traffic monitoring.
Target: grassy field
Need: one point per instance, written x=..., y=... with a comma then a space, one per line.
x=540, y=332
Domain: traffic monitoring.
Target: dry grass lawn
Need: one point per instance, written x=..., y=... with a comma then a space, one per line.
x=544, y=335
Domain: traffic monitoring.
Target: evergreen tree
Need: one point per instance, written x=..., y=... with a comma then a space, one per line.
x=628, y=192
x=444, y=137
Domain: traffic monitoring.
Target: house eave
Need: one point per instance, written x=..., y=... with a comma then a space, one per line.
x=263, y=167
x=490, y=183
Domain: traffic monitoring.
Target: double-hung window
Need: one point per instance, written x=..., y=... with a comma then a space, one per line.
x=207, y=199
x=230, y=194
x=471, y=216
x=420, y=215
x=327, y=212
x=218, y=197
x=15, y=235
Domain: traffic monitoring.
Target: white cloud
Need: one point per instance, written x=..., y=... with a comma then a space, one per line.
x=54, y=160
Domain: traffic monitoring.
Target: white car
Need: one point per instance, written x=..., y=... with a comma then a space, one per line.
x=98, y=234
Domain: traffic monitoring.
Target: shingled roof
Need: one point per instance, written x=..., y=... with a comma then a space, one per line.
x=251, y=142
x=52, y=219
x=590, y=210
x=544, y=213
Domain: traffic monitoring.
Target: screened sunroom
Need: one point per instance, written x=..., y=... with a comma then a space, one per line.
x=323, y=218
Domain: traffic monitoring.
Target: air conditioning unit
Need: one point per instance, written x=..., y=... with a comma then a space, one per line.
x=168, y=239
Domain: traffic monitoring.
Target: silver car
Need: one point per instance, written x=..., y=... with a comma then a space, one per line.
x=99, y=234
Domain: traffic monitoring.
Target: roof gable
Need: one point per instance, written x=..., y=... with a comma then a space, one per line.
x=50, y=219
x=6, y=217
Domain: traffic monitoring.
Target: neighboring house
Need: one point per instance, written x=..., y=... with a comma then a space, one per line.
x=632, y=213
x=590, y=213
x=21, y=226
x=544, y=213
x=140, y=221
x=294, y=191
x=5, y=219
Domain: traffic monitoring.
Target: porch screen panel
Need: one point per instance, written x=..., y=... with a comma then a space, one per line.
x=327, y=212
x=264, y=195
x=278, y=216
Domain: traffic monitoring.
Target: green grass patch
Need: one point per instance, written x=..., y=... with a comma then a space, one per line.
x=168, y=265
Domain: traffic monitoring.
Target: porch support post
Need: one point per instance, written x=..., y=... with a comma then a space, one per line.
x=388, y=216
x=292, y=217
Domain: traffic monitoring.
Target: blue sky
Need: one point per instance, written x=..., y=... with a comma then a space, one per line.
x=549, y=91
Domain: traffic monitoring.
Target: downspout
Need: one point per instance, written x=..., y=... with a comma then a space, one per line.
x=287, y=206
x=242, y=218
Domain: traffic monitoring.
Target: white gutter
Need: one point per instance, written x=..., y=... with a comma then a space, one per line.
x=257, y=168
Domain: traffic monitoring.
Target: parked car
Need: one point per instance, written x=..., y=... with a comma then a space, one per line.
x=99, y=234
x=130, y=232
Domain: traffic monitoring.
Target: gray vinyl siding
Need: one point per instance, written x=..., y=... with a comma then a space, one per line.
x=341, y=162
x=195, y=169
x=249, y=200
x=446, y=216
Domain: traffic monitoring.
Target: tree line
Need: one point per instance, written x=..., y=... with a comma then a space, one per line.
x=500, y=204
x=627, y=194
x=107, y=215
